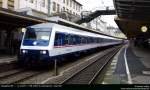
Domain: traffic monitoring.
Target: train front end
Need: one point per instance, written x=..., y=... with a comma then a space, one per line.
x=35, y=47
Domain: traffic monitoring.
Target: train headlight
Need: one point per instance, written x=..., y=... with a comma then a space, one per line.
x=24, y=51
x=144, y=29
x=149, y=41
x=43, y=52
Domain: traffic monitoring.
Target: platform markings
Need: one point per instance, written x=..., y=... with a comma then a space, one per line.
x=127, y=68
x=115, y=61
x=146, y=72
x=113, y=64
x=113, y=68
x=104, y=83
x=110, y=76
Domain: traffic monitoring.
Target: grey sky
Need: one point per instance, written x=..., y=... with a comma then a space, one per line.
x=91, y=5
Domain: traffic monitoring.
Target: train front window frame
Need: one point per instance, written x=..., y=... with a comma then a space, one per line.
x=31, y=38
x=38, y=34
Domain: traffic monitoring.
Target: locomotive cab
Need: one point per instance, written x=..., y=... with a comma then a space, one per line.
x=35, y=45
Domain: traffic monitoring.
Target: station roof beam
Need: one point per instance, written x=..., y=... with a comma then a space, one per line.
x=132, y=15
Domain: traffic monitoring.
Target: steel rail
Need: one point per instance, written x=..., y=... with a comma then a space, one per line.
x=78, y=72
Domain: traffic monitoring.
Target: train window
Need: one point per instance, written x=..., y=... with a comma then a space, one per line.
x=97, y=40
x=85, y=40
x=74, y=39
x=77, y=39
x=42, y=35
x=82, y=39
x=56, y=43
x=59, y=39
x=88, y=40
x=37, y=34
x=102, y=40
x=106, y=40
x=91, y=40
x=71, y=40
x=68, y=39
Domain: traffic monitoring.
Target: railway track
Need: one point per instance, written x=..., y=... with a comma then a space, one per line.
x=89, y=73
x=17, y=76
x=8, y=66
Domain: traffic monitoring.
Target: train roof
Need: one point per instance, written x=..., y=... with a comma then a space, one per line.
x=77, y=26
x=72, y=25
x=46, y=25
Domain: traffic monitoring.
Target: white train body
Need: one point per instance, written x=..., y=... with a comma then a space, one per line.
x=59, y=40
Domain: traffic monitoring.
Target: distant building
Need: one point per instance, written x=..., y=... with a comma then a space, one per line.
x=101, y=26
x=97, y=24
x=70, y=6
x=36, y=8
x=44, y=8
x=9, y=4
x=66, y=9
x=39, y=5
x=115, y=32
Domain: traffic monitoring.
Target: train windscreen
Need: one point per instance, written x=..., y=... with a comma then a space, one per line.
x=39, y=35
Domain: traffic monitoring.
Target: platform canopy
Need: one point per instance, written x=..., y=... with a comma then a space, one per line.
x=9, y=18
x=132, y=16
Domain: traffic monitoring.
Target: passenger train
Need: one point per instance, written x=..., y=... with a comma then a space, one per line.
x=43, y=43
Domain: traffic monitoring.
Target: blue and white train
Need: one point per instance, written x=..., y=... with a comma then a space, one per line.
x=45, y=42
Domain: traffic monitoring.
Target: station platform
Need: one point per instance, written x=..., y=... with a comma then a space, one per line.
x=7, y=59
x=130, y=66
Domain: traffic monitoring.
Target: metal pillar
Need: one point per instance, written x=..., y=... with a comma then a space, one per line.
x=56, y=67
x=49, y=7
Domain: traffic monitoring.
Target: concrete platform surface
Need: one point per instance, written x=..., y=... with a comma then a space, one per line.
x=130, y=66
x=7, y=59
